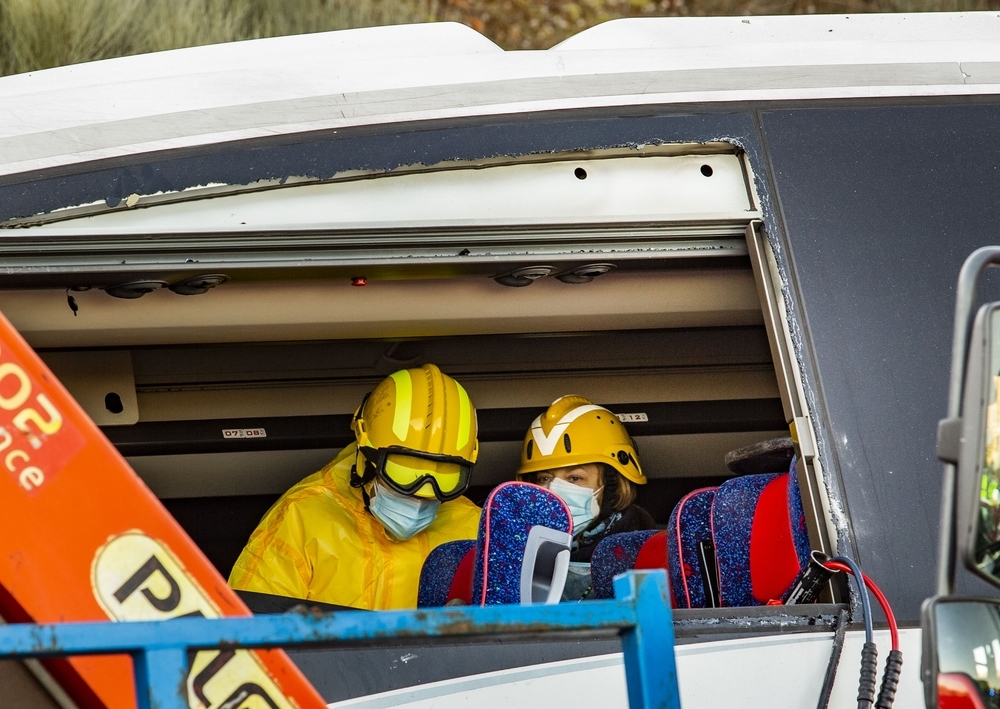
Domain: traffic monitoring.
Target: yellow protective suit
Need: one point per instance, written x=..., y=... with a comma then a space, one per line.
x=318, y=543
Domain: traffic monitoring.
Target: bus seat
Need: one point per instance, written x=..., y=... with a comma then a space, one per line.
x=691, y=561
x=759, y=531
x=522, y=556
x=447, y=574
x=618, y=553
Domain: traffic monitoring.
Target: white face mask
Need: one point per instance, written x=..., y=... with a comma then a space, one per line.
x=581, y=501
x=402, y=516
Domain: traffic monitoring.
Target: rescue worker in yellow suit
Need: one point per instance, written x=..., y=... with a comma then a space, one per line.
x=357, y=532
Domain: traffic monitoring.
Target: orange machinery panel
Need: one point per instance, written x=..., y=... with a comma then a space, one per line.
x=82, y=538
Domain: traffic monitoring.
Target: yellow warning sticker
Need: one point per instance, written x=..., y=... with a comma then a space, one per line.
x=136, y=577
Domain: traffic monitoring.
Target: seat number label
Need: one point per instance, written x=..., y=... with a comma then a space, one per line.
x=632, y=418
x=244, y=433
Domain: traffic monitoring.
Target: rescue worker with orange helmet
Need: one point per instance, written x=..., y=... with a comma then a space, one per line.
x=357, y=532
x=582, y=453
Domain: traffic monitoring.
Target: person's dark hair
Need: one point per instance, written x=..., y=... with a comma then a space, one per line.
x=619, y=492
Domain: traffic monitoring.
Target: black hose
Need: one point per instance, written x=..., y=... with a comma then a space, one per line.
x=831, y=667
x=890, y=680
x=869, y=676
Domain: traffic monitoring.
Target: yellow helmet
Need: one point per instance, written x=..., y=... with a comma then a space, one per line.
x=574, y=431
x=417, y=432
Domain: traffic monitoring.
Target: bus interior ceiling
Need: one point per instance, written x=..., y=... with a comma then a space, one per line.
x=282, y=366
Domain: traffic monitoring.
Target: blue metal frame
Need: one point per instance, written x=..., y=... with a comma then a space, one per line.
x=159, y=649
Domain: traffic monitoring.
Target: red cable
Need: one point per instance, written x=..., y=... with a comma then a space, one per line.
x=882, y=601
x=893, y=629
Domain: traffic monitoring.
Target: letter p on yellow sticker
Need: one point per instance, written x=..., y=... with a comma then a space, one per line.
x=136, y=577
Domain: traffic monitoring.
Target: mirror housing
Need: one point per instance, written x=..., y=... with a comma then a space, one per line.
x=972, y=443
x=960, y=667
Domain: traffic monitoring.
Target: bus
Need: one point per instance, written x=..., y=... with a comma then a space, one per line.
x=727, y=230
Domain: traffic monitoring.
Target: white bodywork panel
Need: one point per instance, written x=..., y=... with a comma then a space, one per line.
x=287, y=85
x=636, y=189
x=777, y=672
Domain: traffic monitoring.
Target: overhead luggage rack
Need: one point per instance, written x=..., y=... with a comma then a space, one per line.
x=334, y=431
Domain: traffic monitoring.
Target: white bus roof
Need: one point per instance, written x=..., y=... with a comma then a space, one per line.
x=286, y=85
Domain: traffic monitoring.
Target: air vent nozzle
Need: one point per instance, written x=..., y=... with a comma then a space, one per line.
x=525, y=276
x=134, y=289
x=196, y=285
x=585, y=274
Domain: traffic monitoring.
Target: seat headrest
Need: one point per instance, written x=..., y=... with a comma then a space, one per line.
x=618, y=553
x=441, y=577
x=690, y=526
x=508, y=515
x=761, y=542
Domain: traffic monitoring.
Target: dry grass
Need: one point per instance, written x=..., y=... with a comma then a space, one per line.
x=36, y=34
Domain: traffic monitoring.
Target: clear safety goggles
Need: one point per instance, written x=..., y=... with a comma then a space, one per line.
x=407, y=471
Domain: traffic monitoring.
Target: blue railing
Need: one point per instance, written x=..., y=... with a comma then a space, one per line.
x=159, y=649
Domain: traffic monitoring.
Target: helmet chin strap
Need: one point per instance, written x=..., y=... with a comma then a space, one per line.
x=362, y=481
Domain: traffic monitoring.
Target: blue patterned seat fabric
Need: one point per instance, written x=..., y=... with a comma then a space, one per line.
x=732, y=521
x=438, y=572
x=615, y=554
x=727, y=515
x=689, y=525
x=510, y=512
x=760, y=537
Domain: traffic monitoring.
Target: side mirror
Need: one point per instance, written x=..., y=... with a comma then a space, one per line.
x=972, y=442
x=961, y=654
x=960, y=668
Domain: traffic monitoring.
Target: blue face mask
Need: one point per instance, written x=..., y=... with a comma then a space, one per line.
x=581, y=501
x=402, y=516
